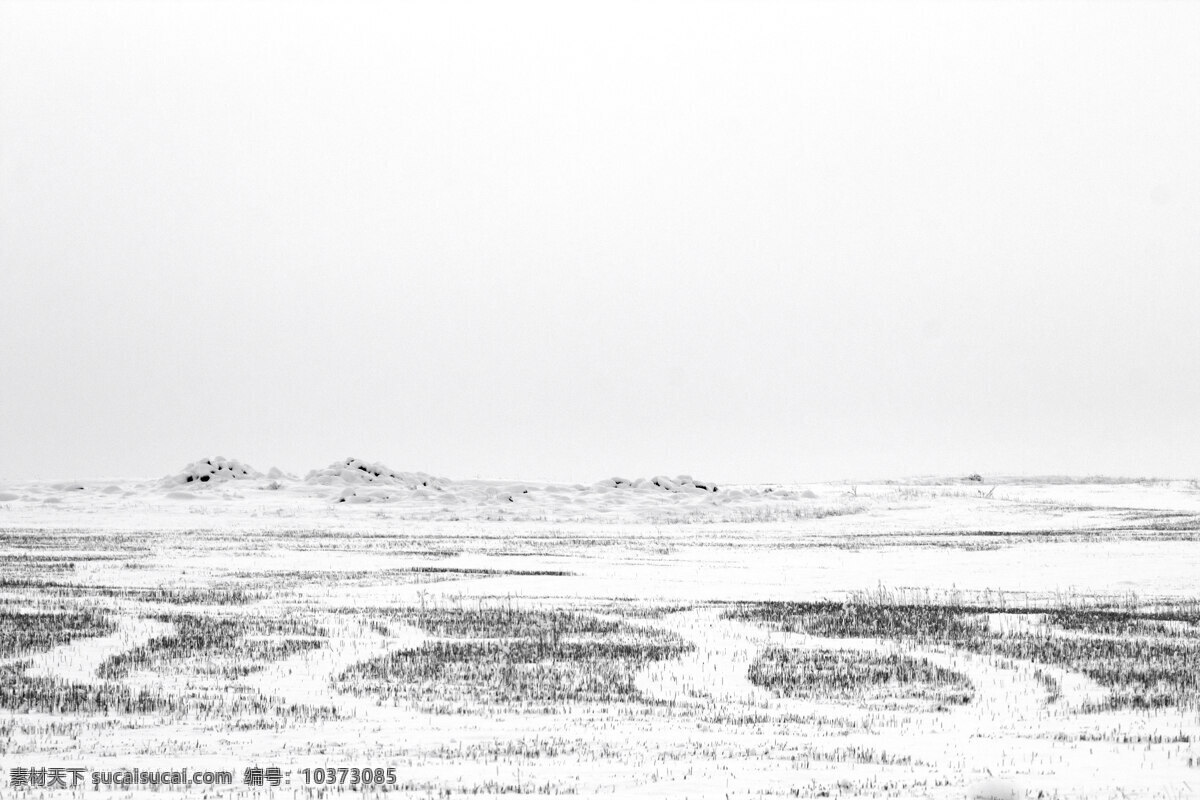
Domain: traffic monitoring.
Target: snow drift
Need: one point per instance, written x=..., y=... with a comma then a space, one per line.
x=211, y=470
x=683, y=483
x=355, y=472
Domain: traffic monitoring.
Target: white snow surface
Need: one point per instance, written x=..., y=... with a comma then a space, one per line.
x=300, y=553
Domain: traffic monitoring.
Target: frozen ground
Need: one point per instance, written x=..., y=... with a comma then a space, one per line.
x=493, y=637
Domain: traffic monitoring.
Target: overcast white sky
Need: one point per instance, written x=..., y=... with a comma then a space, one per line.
x=744, y=240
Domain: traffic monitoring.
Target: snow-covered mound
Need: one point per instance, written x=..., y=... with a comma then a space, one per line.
x=211, y=470
x=355, y=471
x=683, y=483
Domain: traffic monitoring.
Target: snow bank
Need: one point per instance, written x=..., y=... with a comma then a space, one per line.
x=683, y=483
x=686, y=484
x=356, y=472
x=211, y=470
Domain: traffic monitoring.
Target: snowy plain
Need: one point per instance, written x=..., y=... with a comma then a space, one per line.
x=223, y=617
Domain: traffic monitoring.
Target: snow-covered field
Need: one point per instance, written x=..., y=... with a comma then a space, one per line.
x=658, y=637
